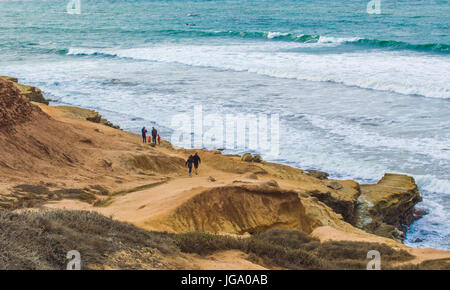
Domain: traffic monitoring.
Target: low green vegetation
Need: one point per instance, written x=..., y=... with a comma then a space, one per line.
x=292, y=250
x=28, y=195
x=41, y=240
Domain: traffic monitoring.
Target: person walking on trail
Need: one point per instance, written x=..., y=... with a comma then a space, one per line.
x=189, y=163
x=144, y=134
x=159, y=139
x=154, y=134
x=196, y=159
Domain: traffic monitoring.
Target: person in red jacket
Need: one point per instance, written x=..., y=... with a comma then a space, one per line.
x=159, y=139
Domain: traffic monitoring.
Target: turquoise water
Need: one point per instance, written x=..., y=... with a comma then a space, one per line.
x=357, y=94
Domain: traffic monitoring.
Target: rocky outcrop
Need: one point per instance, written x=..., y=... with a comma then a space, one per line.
x=387, y=208
x=14, y=108
x=317, y=174
x=29, y=138
x=32, y=93
x=97, y=118
x=248, y=157
x=342, y=197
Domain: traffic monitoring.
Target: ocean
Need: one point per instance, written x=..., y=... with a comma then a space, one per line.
x=357, y=94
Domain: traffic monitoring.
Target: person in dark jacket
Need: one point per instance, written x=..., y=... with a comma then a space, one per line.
x=144, y=134
x=189, y=163
x=154, y=134
x=196, y=159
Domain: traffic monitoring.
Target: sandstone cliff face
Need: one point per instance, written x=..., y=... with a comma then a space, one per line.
x=14, y=108
x=28, y=136
x=239, y=210
x=341, y=196
x=32, y=93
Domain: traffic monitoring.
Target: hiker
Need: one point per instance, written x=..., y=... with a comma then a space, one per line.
x=159, y=139
x=189, y=162
x=154, y=134
x=196, y=159
x=149, y=139
x=144, y=134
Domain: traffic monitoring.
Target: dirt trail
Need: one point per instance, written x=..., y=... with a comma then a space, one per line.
x=141, y=206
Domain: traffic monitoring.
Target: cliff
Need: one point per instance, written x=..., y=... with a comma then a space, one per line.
x=387, y=208
x=31, y=93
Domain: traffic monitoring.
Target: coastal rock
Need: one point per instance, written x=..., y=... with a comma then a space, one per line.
x=30, y=139
x=97, y=118
x=31, y=93
x=317, y=174
x=342, y=197
x=247, y=157
x=11, y=79
x=387, y=208
x=257, y=158
x=14, y=108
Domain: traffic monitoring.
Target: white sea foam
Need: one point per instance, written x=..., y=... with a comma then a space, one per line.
x=356, y=135
x=271, y=35
x=337, y=40
x=433, y=184
x=405, y=73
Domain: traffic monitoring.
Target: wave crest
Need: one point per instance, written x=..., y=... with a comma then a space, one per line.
x=305, y=38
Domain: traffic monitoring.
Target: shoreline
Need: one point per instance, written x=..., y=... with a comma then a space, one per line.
x=126, y=167
x=35, y=95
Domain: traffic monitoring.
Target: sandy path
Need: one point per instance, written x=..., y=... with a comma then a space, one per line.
x=327, y=233
x=141, y=206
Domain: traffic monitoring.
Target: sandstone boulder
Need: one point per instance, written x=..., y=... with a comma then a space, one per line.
x=257, y=158
x=247, y=157
x=318, y=174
